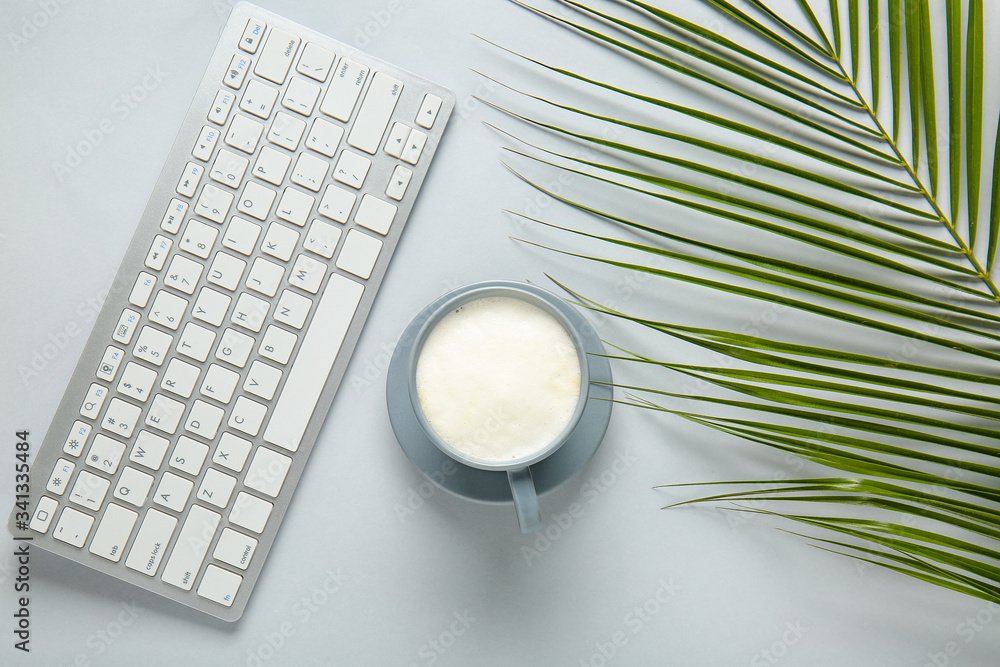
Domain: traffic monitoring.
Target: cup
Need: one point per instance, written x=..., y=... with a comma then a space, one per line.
x=487, y=300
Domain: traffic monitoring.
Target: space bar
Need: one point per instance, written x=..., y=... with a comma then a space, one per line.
x=313, y=363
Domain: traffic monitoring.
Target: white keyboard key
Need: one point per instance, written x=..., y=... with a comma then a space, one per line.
x=267, y=471
x=265, y=276
x=247, y=416
x=234, y=348
x=237, y=71
x=189, y=551
x=351, y=169
x=188, y=456
x=167, y=309
x=309, y=172
x=250, y=512
x=292, y=309
x=226, y=271
x=252, y=35
x=396, y=141
x=279, y=241
x=216, y=488
x=105, y=454
x=345, y=88
x=89, y=490
x=219, y=585
x=113, y=532
x=164, y=414
x=295, y=206
x=133, y=486
x=322, y=239
x=137, y=381
x=119, y=419
x=108, y=367
x=190, y=177
x=228, y=169
x=428, y=112
x=315, y=62
x=180, y=378
x=337, y=203
x=158, y=251
x=307, y=274
x=375, y=214
x=241, y=235
x=277, y=344
x=250, y=312
x=125, y=328
x=397, y=182
x=231, y=452
x=235, y=548
x=204, y=420
x=142, y=290
x=359, y=254
x=304, y=383
x=44, y=512
x=73, y=527
x=220, y=383
x=300, y=96
x=219, y=112
x=375, y=112
x=148, y=450
x=325, y=137
x=184, y=273
x=271, y=165
x=195, y=342
x=152, y=345
x=205, y=145
x=286, y=131
x=276, y=56
x=77, y=438
x=59, y=478
x=244, y=133
x=172, y=492
x=262, y=380
x=414, y=146
x=211, y=306
x=258, y=99
x=151, y=542
x=256, y=200
x=93, y=401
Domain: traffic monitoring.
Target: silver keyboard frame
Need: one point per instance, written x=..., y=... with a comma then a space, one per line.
x=117, y=300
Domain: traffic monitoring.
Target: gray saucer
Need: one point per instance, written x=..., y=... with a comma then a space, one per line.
x=492, y=486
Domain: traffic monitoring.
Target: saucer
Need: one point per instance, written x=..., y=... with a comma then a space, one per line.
x=487, y=485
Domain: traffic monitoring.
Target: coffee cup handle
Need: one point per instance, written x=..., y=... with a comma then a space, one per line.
x=522, y=488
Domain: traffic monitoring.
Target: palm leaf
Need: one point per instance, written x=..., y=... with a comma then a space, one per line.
x=838, y=219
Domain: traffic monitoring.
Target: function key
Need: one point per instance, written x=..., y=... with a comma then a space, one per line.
x=252, y=35
x=237, y=71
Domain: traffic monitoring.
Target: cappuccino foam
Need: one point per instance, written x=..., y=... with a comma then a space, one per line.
x=498, y=379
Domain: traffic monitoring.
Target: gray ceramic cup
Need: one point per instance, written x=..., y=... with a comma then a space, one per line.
x=518, y=471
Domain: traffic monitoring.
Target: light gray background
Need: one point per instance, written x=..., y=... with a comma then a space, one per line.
x=373, y=566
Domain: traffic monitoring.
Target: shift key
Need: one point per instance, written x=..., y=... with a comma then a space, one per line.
x=191, y=547
x=375, y=112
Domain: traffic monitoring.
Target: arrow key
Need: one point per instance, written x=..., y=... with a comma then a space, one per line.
x=398, y=182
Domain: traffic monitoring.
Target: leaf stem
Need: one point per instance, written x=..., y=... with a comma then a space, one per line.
x=964, y=248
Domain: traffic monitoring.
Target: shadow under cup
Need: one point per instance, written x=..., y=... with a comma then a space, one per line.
x=518, y=469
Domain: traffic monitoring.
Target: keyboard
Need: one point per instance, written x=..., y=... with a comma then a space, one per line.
x=190, y=416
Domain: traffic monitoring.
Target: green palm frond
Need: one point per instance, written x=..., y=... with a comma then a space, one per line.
x=847, y=141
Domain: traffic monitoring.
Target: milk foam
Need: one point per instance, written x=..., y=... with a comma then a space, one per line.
x=498, y=379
